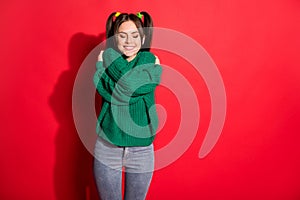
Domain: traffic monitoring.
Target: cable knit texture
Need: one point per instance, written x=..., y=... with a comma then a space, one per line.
x=128, y=116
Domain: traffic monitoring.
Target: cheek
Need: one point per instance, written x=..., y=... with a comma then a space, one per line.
x=120, y=41
x=138, y=42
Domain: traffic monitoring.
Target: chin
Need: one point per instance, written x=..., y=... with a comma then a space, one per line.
x=129, y=54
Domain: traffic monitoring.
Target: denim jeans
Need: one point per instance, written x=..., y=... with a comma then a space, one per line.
x=111, y=160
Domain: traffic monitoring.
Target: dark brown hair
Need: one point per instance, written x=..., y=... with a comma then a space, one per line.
x=143, y=25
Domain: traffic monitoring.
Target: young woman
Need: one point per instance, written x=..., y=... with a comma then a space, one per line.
x=126, y=77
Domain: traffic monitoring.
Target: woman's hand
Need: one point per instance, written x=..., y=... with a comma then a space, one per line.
x=100, y=56
x=157, y=62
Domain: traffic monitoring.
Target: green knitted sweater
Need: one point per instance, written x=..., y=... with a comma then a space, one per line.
x=128, y=116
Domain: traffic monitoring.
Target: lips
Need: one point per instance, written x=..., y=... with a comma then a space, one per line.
x=129, y=48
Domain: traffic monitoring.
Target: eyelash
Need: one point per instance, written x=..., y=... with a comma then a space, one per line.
x=134, y=36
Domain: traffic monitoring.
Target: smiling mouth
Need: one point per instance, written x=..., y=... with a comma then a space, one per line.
x=128, y=48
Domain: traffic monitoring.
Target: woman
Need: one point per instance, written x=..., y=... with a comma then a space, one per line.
x=126, y=77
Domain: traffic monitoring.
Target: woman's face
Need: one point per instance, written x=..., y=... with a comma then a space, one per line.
x=128, y=39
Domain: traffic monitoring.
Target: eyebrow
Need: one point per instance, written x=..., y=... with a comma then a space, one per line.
x=134, y=32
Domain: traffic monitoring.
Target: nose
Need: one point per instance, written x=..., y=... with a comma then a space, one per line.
x=128, y=39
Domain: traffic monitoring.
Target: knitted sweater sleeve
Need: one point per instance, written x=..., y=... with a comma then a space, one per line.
x=108, y=89
x=117, y=66
x=140, y=79
x=102, y=83
x=121, y=84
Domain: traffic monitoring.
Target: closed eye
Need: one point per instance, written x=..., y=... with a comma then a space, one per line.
x=122, y=35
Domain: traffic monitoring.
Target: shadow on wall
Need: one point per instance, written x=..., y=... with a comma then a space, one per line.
x=73, y=172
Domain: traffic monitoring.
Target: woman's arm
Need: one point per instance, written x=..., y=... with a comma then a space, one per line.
x=141, y=79
x=106, y=86
x=131, y=86
x=100, y=83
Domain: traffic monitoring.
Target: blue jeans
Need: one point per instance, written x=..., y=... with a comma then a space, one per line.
x=110, y=160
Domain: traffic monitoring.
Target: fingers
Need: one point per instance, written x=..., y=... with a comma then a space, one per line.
x=100, y=56
x=157, y=62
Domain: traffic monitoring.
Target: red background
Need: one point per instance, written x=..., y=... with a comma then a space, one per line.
x=255, y=45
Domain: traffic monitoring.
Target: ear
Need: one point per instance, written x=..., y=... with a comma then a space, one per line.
x=143, y=40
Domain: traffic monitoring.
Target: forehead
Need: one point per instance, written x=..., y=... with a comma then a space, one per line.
x=128, y=27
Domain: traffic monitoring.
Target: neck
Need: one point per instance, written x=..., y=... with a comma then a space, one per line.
x=130, y=58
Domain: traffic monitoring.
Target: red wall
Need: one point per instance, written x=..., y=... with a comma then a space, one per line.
x=255, y=45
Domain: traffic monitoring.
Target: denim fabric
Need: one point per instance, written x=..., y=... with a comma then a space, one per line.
x=137, y=163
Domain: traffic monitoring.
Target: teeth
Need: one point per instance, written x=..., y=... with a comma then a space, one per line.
x=128, y=47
